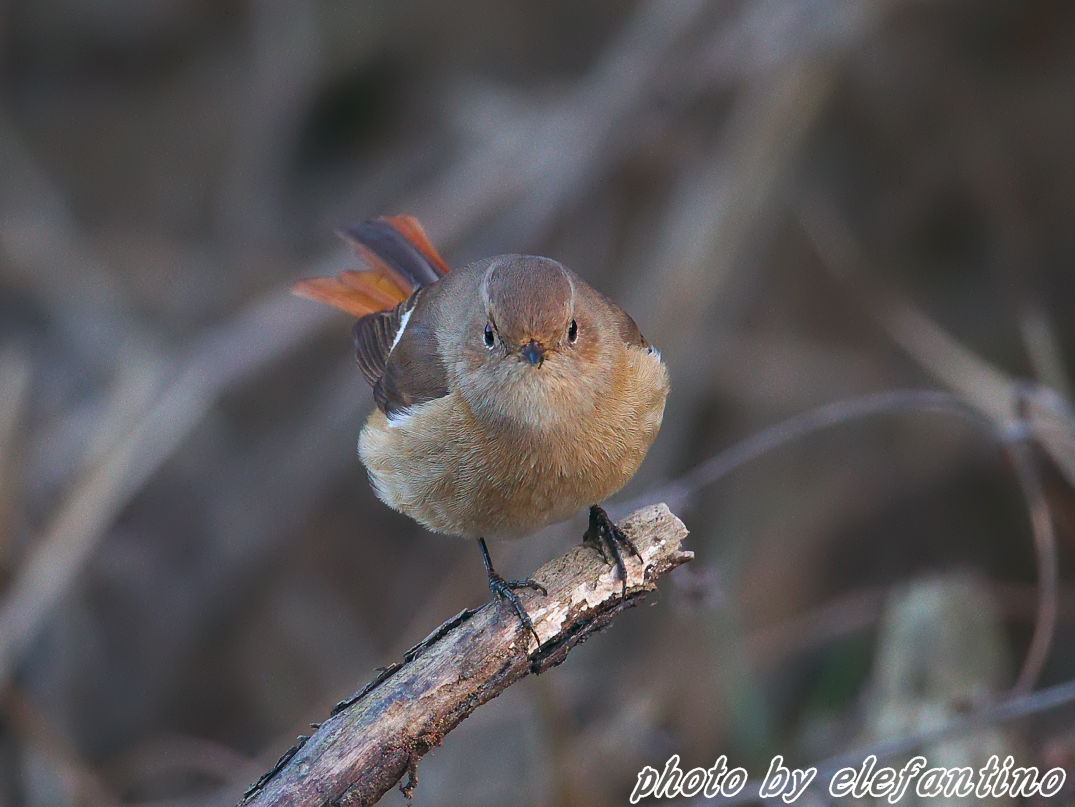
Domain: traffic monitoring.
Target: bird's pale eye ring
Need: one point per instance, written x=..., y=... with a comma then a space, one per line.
x=490, y=336
x=573, y=332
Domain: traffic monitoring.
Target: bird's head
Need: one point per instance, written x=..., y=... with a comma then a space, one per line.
x=530, y=343
x=529, y=308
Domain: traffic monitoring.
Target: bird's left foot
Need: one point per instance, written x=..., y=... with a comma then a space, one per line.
x=610, y=541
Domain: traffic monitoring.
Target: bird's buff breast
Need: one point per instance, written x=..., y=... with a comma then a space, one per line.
x=453, y=473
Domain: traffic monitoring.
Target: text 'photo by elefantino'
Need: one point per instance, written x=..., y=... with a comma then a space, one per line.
x=308, y=307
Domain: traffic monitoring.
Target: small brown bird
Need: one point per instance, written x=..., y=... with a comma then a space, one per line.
x=510, y=394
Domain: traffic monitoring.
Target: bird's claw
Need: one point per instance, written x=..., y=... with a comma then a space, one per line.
x=609, y=540
x=505, y=590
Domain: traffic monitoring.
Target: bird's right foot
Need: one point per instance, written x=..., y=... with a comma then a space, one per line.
x=504, y=590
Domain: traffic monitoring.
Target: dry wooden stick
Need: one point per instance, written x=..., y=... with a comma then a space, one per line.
x=375, y=737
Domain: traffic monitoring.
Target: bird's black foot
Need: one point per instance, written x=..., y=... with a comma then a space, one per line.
x=504, y=590
x=610, y=541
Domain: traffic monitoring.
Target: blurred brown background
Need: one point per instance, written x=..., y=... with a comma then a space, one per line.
x=791, y=197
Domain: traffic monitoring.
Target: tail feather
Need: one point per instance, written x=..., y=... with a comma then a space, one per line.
x=401, y=259
x=400, y=245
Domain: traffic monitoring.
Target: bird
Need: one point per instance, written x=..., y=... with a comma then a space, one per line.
x=510, y=394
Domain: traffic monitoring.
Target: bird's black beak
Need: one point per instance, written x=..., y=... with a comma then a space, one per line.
x=533, y=352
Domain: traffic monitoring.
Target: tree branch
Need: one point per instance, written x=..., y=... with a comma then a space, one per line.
x=376, y=736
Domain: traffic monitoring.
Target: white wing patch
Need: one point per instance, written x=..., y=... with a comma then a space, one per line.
x=402, y=327
x=399, y=417
x=404, y=417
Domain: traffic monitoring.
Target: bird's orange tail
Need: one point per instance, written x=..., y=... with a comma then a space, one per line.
x=401, y=261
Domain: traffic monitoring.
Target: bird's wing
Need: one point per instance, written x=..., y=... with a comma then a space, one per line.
x=397, y=354
x=375, y=336
x=413, y=372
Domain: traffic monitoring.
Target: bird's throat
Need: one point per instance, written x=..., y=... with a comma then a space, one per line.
x=539, y=400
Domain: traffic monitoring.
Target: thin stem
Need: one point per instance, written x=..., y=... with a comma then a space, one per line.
x=1041, y=523
x=679, y=492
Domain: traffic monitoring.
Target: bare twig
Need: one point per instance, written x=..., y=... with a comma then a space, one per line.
x=377, y=736
x=14, y=386
x=76, y=779
x=1042, y=346
x=575, y=135
x=1041, y=414
x=931, y=346
x=1041, y=522
x=73, y=532
x=681, y=490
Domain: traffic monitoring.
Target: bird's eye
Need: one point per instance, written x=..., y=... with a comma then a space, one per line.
x=573, y=332
x=490, y=337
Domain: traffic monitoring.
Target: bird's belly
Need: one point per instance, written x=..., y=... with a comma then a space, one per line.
x=456, y=475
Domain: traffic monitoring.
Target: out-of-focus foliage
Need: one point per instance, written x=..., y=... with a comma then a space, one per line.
x=192, y=566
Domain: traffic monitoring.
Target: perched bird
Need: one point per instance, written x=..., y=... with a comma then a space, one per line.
x=510, y=394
